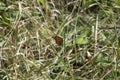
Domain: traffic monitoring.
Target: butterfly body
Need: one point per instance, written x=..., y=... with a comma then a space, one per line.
x=59, y=40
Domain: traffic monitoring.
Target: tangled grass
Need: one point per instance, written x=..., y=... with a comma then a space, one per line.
x=59, y=40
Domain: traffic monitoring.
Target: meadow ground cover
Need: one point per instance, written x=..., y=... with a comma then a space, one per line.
x=59, y=40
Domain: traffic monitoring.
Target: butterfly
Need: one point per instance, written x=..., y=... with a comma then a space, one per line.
x=59, y=40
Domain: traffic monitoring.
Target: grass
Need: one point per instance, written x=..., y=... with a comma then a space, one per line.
x=49, y=40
